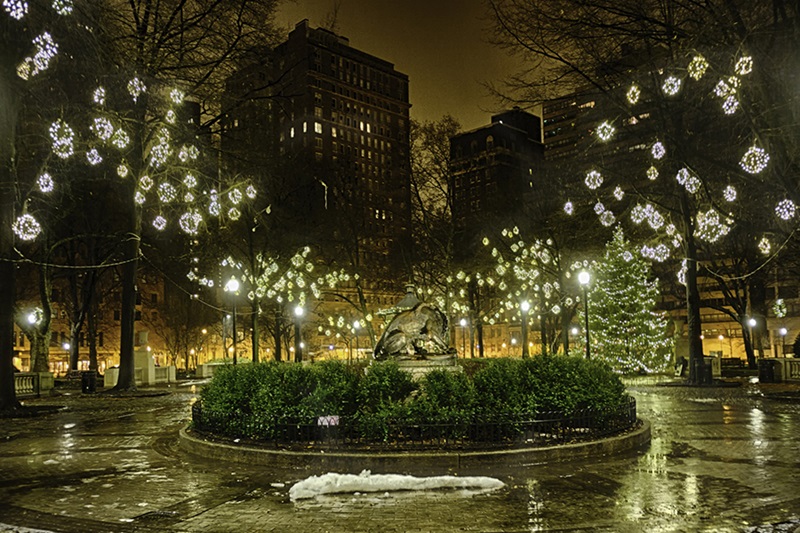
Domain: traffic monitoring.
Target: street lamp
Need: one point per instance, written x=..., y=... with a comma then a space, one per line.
x=584, y=279
x=356, y=326
x=233, y=287
x=783, y=332
x=721, y=338
x=524, y=307
x=298, y=345
x=463, y=324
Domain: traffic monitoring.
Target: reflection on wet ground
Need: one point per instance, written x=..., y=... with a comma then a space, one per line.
x=721, y=459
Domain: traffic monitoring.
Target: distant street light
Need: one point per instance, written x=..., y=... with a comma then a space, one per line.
x=232, y=287
x=356, y=326
x=298, y=344
x=584, y=278
x=783, y=332
x=463, y=324
x=524, y=307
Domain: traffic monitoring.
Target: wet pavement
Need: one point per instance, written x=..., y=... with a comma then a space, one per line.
x=721, y=459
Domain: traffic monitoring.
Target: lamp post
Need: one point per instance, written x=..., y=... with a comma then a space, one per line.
x=298, y=344
x=356, y=326
x=524, y=307
x=783, y=332
x=463, y=324
x=233, y=287
x=584, y=278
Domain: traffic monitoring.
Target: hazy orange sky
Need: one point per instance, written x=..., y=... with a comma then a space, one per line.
x=441, y=45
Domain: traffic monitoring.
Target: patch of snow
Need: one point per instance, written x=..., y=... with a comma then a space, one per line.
x=7, y=528
x=332, y=483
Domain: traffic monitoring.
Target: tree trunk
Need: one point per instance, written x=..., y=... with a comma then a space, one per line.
x=9, y=111
x=91, y=334
x=277, y=334
x=127, y=371
x=74, y=346
x=696, y=362
x=254, y=331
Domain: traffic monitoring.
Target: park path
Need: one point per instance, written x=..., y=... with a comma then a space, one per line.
x=721, y=460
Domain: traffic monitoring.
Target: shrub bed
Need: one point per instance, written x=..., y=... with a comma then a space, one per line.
x=384, y=404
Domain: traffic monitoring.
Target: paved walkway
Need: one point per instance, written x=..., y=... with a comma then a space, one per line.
x=721, y=459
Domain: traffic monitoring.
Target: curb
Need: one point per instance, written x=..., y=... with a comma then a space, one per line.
x=434, y=461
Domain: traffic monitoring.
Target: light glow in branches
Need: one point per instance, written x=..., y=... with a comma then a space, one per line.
x=652, y=173
x=605, y=131
x=688, y=180
x=26, y=227
x=99, y=96
x=633, y=94
x=16, y=8
x=671, y=86
x=744, y=66
x=764, y=246
x=251, y=192
x=93, y=157
x=103, y=128
x=710, y=227
x=698, y=66
x=786, y=209
x=619, y=194
x=593, y=179
x=190, y=222
x=754, y=160
x=45, y=182
x=160, y=223
x=569, y=208
x=658, y=151
x=63, y=7
x=63, y=138
x=135, y=88
x=729, y=193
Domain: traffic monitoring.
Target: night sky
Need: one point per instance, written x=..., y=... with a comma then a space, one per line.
x=441, y=45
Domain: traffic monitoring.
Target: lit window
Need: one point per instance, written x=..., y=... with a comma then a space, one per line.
x=305, y=127
x=291, y=133
x=333, y=132
x=317, y=127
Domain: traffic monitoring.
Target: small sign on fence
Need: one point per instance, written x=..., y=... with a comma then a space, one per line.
x=331, y=420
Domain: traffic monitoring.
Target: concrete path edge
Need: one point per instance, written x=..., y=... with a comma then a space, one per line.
x=435, y=461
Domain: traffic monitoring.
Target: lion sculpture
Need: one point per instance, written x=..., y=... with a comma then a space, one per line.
x=415, y=333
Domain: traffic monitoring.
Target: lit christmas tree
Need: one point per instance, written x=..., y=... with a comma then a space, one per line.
x=626, y=330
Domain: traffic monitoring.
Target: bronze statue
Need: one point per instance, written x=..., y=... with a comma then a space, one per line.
x=415, y=333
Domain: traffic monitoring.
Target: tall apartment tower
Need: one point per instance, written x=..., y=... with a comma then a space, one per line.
x=493, y=169
x=325, y=127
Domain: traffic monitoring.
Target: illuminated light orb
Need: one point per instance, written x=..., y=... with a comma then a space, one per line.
x=190, y=181
x=171, y=116
x=160, y=223
x=697, y=67
x=135, y=88
x=122, y=171
x=754, y=160
x=62, y=136
x=63, y=7
x=599, y=208
x=659, y=253
x=46, y=49
x=730, y=105
x=656, y=219
x=633, y=94
x=190, y=222
x=188, y=198
x=670, y=229
x=120, y=139
x=779, y=308
x=605, y=131
x=235, y=214
x=93, y=156
x=176, y=95
x=657, y=150
x=607, y=218
x=103, y=128
x=145, y=183
x=139, y=197
x=235, y=196
x=251, y=192
x=593, y=179
x=188, y=152
x=16, y=8
x=167, y=193
x=627, y=256
x=744, y=66
x=785, y=209
x=26, y=227
x=709, y=227
x=689, y=181
x=569, y=208
x=638, y=214
x=619, y=194
x=726, y=88
x=99, y=96
x=671, y=86
x=485, y=241
x=45, y=182
x=729, y=193
x=652, y=173
x=764, y=246
x=214, y=208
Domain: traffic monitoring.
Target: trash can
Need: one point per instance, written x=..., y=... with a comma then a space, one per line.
x=708, y=371
x=89, y=381
x=766, y=371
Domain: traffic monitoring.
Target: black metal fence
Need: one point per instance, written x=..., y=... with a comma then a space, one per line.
x=373, y=431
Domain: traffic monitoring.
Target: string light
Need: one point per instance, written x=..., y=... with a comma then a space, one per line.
x=754, y=160
x=786, y=209
x=659, y=253
x=599, y=208
x=593, y=179
x=605, y=131
x=99, y=96
x=170, y=117
x=726, y=88
x=633, y=94
x=176, y=95
x=234, y=213
x=709, y=226
x=45, y=182
x=103, y=128
x=607, y=218
x=63, y=7
x=689, y=181
x=188, y=198
x=730, y=105
x=764, y=246
x=16, y=8
x=190, y=222
x=698, y=66
x=744, y=66
x=135, y=88
x=618, y=193
x=162, y=150
x=122, y=171
x=160, y=223
x=729, y=193
x=671, y=86
x=145, y=183
x=167, y=193
x=658, y=151
x=120, y=139
x=235, y=196
x=190, y=181
x=62, y=136
x=26, y=227
x=251, y=192
x=652, y=173
x=569, y=208
x=93, y=156
x=139, y=197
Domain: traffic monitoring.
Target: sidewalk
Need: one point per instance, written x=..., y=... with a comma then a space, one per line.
x=721, y=459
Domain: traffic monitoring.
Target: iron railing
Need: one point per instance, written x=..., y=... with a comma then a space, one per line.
x=27, y=384
x=504, y=431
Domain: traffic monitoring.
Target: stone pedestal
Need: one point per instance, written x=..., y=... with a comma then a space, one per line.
x=419, y=367
x=144, y=360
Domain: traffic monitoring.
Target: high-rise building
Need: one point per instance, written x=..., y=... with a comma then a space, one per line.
x=493, y=170
x=325, y=127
